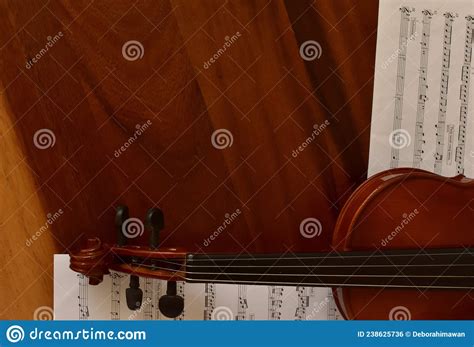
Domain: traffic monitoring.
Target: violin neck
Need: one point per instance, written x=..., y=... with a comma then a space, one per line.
x=425, y=269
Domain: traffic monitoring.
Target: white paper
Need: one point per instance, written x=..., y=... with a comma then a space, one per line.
x=422, y=79
x=74, y=299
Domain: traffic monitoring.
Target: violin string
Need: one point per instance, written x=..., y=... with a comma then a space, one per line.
x=327, y=284
x=309, y=265
x=466, y=252
x=301, y=275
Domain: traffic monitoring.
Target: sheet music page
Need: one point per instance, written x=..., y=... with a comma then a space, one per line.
x=422, y=108
x=75, y=299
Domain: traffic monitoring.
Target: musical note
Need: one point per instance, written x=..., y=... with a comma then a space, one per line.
x=209, y=300
x=400, y=82
x=147, y=299
x=422, y=89
x=116, y=279
x=242, y=304
x=275, y=302
x=303, y=303
x=83, y=297
x=443, y=98
x=180, y=292
x=464, y=94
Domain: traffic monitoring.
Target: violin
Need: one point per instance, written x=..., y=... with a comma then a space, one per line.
x=402, y=248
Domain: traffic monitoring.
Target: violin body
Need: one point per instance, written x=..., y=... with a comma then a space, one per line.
x=406, y=209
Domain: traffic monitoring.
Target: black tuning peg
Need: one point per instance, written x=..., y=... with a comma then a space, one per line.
x=121, y=215
x=171, y=304
x=154, y=221
x=134, y=294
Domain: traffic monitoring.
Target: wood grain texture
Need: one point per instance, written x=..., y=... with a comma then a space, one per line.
x=260, y=90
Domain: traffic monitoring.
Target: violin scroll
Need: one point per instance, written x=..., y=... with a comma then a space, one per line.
x=92, y=261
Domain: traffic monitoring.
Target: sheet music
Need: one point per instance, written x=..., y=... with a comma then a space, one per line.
x=107, y=301
x=422, y=108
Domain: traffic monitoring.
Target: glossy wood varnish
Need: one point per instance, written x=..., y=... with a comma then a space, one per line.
x=438, y=213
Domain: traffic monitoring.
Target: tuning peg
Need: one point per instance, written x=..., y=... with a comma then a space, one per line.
x=134, y=294
x=154, y=221
x=171, y=304
x=121, y=215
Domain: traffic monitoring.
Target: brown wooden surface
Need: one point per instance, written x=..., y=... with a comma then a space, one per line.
x=260, y=90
